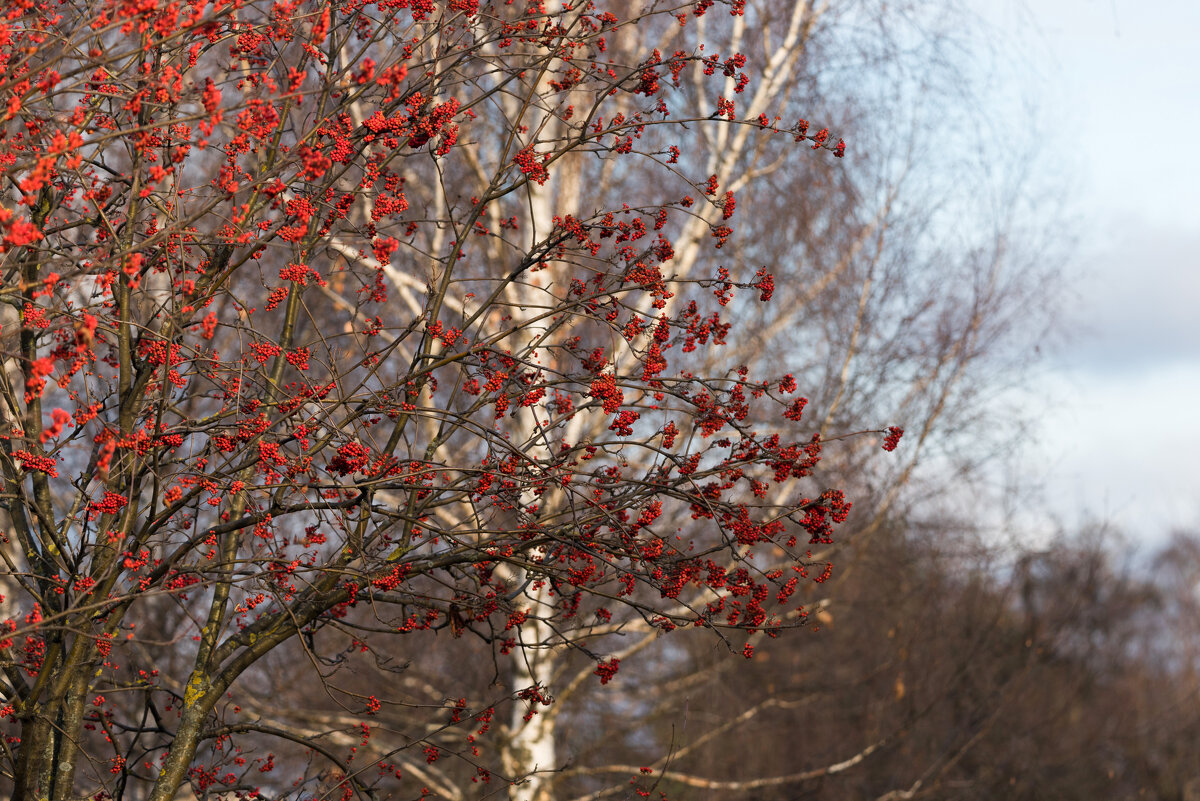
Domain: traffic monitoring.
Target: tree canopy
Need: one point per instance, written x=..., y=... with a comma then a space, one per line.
x=377, y=317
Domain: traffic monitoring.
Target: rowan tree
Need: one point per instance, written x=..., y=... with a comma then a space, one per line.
x=298, y=349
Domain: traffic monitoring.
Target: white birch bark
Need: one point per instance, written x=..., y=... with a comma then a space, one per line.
x=531, y=751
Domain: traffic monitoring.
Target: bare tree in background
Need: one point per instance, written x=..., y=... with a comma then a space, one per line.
x=886, y=311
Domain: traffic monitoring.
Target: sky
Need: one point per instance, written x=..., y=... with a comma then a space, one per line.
x=1117, y=88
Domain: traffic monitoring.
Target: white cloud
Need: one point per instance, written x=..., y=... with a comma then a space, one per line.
x=1138, y=301
x=1124, y=450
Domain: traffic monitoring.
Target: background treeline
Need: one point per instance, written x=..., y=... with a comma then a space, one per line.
x=951, y=670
